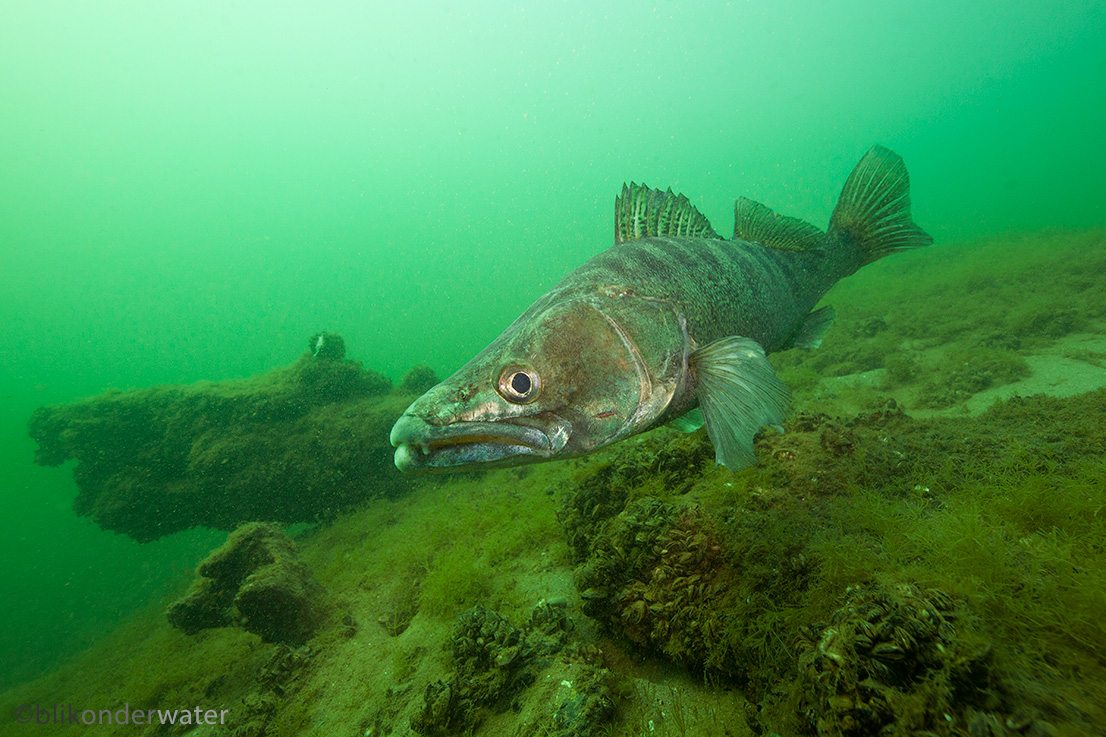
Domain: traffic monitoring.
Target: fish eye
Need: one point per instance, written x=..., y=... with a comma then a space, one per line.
x=519, y=384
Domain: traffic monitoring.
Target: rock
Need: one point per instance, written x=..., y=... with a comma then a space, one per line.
x=254, y=580
x=500, y=667
x=891, y=661
x=419, y=379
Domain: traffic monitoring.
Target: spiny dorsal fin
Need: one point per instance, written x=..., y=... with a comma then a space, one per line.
x=755, y=222
x=640, y=212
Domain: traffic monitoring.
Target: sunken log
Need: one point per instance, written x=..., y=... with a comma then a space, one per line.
x=298, y=444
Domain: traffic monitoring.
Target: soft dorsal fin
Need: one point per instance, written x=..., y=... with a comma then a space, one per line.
x=640, y=212
x=755, y=222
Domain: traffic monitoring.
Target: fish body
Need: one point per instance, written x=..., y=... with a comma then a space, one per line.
x=671, y=324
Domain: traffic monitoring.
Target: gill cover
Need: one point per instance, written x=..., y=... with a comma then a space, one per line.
x=589, y=370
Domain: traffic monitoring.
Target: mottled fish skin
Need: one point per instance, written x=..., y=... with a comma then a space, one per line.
x=721, y=287
x=669, y=318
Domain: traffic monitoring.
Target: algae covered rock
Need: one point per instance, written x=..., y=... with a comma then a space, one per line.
x=327, y=346
x=298, y=444
x=660, y=576
x=493, y=662
x=256, y=580
x=893, y=661
x=778, y=590
x=419, y=379
x=277, y=684
x=499, y=667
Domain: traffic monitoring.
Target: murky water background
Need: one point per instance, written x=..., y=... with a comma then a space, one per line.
x=188, y=190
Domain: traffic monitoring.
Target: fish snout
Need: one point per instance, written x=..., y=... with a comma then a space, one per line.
x=422, y=447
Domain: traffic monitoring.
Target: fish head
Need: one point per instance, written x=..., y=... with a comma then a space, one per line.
x=562, y=380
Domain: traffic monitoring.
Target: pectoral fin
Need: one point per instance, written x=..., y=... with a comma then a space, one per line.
x=738, y=393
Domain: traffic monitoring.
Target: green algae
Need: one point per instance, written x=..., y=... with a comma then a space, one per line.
x=419, y=379
x=147, y=665
x=472, y=534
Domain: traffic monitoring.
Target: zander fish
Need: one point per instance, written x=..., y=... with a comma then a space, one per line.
x=671, y=324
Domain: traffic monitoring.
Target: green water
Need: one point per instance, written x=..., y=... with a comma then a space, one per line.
x=189, y=190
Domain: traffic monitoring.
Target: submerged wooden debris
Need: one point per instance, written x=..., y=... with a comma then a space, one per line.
x=299, y=444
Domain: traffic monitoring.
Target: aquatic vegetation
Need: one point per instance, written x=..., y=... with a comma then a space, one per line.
x=656, y=575
x=996, y=511
x=151, y=665
x=470, y=533
x=460, y=574
x=272, y=701
x=1095, y=358
x=967, y=371
x=738, y=578
x=455, y=580
x=327, y=346
x=892, y=660
x=1030, y=554
x=401, y=606
x=494, y=661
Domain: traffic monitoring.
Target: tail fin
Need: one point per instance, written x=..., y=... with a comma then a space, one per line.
x=873, y=211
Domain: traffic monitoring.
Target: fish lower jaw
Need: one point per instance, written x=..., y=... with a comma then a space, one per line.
x=425, y=448
x=406, y=460
x=462, y=456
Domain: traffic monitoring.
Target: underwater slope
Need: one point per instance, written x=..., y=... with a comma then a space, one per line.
x=878, y=570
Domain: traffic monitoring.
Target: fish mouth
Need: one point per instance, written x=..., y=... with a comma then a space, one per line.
x=425, y=448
